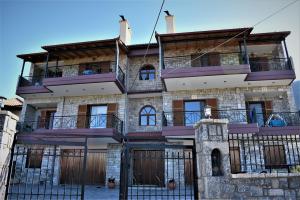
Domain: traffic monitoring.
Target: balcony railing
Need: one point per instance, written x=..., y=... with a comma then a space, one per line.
x=25, y=81
x=206, y=60
x=274, y=64
x=268, y=118
x=73, y=122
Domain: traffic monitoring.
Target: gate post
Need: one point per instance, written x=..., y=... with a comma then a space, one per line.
x=84, y=169
x=212, y=153
x=123, y=190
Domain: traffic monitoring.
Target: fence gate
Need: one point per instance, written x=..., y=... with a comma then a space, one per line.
x=36, y=171
x=158, y=171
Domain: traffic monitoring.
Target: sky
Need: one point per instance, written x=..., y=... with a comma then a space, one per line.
x=26, y=25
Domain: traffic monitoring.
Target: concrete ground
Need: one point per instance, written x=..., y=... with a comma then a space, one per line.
x=42, y=192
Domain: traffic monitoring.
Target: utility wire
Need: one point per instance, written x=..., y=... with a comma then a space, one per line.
x=153, y=31
x=256, y=24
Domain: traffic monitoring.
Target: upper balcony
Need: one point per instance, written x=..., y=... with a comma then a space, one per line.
x=103, y=127
x=75, y=69
x=199, y=71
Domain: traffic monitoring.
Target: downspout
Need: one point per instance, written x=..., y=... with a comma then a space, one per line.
x=117, y=58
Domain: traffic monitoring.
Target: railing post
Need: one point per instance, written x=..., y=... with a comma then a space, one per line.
x=22, y=71
x=287, y=55
x=46, y=66
x=245, y=50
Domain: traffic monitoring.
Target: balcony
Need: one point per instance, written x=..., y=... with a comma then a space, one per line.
x=31, y=85
x=272, y=71
x=104, y=127
x=198, y=71
x=240, y=120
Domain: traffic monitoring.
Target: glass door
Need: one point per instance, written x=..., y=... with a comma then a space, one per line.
x=256, y=113
x=193, y=112
x=98, y=117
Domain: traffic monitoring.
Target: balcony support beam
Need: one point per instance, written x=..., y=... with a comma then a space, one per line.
x=246, y=50
x=22, y=71
x=46, y=65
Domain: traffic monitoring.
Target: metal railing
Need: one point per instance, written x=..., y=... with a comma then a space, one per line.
x=220, y=59
x=73, y=122
x=30, y=81
x=274, y=64
x=258, y=153
x=121, y=75
x=267, y=118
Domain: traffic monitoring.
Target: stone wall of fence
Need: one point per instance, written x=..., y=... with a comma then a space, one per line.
x=213, y=134
x=8, y=123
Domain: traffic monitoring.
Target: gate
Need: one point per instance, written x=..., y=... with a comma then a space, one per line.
x=36, y=171
x=158, y=171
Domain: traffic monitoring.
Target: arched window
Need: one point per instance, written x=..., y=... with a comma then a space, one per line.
x=147, y=116
x=216, y=163
x=147, y=72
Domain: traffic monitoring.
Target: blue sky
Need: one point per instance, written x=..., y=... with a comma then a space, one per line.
x=27, y=25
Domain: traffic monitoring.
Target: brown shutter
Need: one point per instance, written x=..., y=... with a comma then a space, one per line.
x=195, y=60
x=214, y=107
x=214, y=59
x=42, y=120
x=178, y=108
x=82, y=118
x=268, y=109
x=105, y=67
x=112, y=110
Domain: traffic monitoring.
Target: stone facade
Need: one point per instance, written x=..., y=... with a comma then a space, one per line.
x=8, y=123
x=113, y=162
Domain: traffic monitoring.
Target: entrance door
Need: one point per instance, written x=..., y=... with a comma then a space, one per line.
x=148, y=167
x=98, y=117
x=256, y=113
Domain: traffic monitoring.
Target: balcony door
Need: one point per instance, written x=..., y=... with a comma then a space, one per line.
x=193, y=112
x=98, y=117
x=256, y=113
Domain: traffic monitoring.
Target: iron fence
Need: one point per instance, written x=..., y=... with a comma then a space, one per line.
x=263, y=153
x=73, y=121
x=266, y=118
x=273, y=64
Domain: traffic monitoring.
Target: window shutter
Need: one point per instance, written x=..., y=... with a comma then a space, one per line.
x=214, y=107
x=112, y=110
x=268, y=109
x=82, y=118
x=196, y=60
x=105, y=67
x=178, y=108
x=214, y=59
x=42, y=120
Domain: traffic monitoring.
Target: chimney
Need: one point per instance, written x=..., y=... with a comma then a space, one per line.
x=170, y=22
x=125, y=31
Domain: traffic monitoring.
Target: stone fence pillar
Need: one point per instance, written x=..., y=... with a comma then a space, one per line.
x=213, y=170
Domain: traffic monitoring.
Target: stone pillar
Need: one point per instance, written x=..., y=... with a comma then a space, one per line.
x=113, y=162
x=8, y=122
x=212, y=134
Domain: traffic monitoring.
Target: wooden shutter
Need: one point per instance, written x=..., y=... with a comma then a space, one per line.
x=268, y=109
x=82, y=118
x=214, y=107
x=112, y=109
x=105, y=67
x=214, y=59
x=42, y=120
x=178, y=114
x=195, y=60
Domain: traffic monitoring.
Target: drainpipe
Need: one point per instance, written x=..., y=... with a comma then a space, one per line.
x=117, y=58
x=246, y=51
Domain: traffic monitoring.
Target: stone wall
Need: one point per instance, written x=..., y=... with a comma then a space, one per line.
x=210, y=134
x=134, y=107
x=113, y=162
x=8, y=122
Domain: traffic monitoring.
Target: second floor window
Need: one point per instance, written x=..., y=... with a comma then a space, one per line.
x=147, y=72
x=147, y=116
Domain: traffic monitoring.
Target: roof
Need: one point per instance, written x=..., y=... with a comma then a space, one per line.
x=211, y=34
x=35, y=57
x=270, y=36
x=14, y=102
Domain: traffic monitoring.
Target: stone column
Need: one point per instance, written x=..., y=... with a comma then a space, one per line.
x=212, y=134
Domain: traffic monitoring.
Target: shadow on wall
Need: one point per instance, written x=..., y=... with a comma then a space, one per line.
x=296, y=90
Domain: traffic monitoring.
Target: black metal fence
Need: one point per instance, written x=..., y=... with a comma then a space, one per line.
x=266, y=118
x=274, y=64
x=158, y=172
x=262, y=153
x=73, y=121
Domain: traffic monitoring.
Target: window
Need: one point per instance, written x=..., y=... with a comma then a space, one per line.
x=147, y=72
x=216, y=163
x=34, y=158
x=147, y=116
x=274, y=156
x=193, y=112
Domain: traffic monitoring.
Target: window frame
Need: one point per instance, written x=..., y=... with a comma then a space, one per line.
x=147, y=70
x=147, y=115
x=37, y=155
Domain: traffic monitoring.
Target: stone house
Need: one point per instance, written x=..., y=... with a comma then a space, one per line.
x=109, y=92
